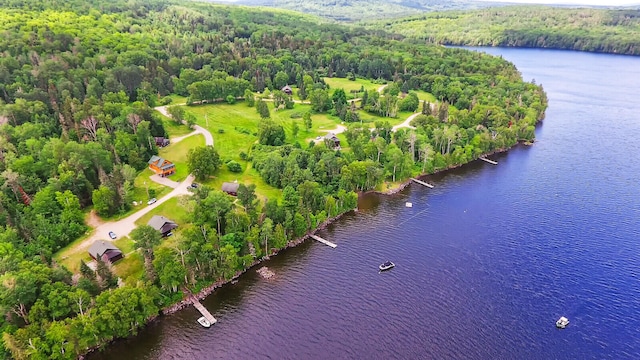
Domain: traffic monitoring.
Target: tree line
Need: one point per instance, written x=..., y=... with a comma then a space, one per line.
x=585, y=29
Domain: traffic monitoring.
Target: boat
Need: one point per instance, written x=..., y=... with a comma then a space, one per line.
x=386, y=266
x=408, y=204
x=204, y=322
x=562, y=322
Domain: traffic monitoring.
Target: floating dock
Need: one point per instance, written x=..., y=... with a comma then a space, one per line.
x=422, y=183
x=328, y=243
x=203, y=310
x=489, y=161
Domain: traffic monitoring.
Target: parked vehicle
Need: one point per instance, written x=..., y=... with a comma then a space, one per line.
x=112, y=235
x=152, y=201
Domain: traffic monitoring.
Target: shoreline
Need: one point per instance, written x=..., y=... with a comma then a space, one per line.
x=210, y=289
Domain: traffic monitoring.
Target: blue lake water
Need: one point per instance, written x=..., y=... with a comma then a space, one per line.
x=485, y=262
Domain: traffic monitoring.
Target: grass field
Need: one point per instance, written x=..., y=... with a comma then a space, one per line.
x=173, y=128
x=170, y=209
x=177, y=154
x=130, y=268
x=142, y=183
x=348, y=85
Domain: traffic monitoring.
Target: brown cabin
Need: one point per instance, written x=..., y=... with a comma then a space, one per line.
x=162, y=224
x=105, y=251
x=230, y=188
x=161, y=166
x=332, y=141
x=287, y=90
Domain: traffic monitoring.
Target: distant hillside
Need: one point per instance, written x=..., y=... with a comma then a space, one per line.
x=585, y=29
x=355, y=10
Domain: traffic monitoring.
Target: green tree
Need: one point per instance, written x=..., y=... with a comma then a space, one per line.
x=271, y=133
x=308, y=123
x=263, y=109
x=203, y=161
x=249, y=98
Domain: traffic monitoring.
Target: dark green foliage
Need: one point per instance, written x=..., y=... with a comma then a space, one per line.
x=234, y=166
x=203, y=161
x=271, y=133
x=584, y=29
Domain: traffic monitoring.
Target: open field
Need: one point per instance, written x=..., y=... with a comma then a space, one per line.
x=177, y=154
x=348, y=85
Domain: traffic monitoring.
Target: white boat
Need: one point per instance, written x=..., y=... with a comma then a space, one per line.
x=408, y=204
x=562, y=322
x=386, y=266
x=204, y=322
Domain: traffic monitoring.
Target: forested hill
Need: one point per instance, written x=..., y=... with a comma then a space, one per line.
x=596, y=30
x=354, y=10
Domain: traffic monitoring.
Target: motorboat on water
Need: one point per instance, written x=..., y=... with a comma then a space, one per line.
x=386, y=266
x=562, y=322
x=204, y=322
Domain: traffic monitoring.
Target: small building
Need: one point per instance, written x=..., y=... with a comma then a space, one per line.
x=332, y=141
x=230, y=188
x=161, y=141
x=162, y=224
x=287, y=90
x=105, y=251
x=161, y=166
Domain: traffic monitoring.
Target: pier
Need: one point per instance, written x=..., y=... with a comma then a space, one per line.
x=203, y=310
x=487, y=160
x=328, y=243
x=422, y=183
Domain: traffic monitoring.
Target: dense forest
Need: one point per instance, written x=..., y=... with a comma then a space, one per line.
x=78, y=83
x=354, y=10
x=585, y=29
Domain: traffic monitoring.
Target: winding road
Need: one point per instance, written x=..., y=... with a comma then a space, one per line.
x=123, y=227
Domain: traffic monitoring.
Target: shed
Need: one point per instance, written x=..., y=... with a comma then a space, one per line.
x=287, y=90
x=161, y=141
x=105, y=251
x=230, y=188
x=162, y=224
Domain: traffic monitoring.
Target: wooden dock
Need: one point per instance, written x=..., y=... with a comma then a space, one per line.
x=328, y=243
x=489, y=161
x=422, y=183
x=203, y=310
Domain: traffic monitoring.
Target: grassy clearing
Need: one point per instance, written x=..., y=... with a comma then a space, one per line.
x=170, y=209
x=348, y=85
x=247, y=177
x=177, y=99
x=173, y=128
x=423, y=95
x=141, y=184
x=70, y=256
x=232, y=126
x=130, y=268
x=177, y=154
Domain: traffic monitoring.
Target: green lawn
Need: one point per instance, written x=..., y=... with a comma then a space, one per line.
x=70, y=257
x=177, y=99
x=130, y=268
x=173, y=128
x=247, y=177
x=423, y=95
x=141, y=184
x=170, y=209
x=348, y=85
x=177, y=154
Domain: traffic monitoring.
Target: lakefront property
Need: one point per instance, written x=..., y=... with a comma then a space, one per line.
x=79, y=143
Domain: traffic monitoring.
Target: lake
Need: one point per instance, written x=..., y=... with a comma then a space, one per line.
x=486, y=262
